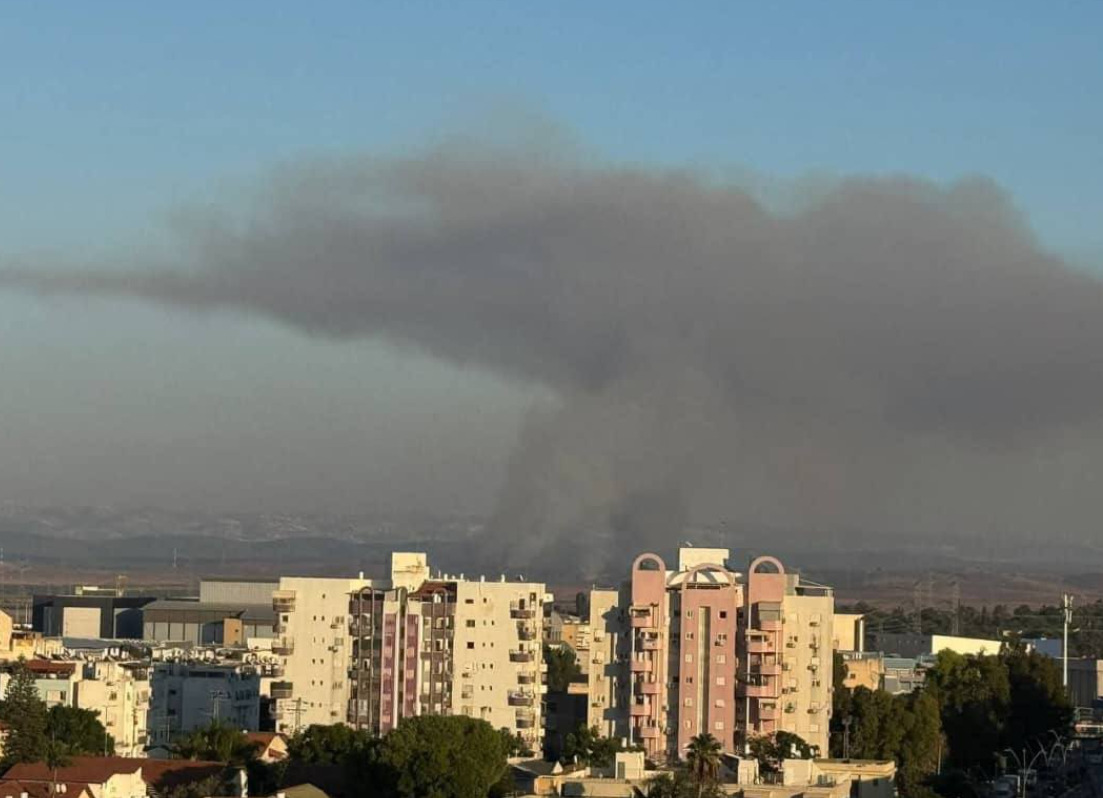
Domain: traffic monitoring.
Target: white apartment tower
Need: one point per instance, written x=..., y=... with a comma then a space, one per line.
x=311, y=638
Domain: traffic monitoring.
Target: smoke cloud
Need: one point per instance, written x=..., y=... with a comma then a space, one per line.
x=881, y=341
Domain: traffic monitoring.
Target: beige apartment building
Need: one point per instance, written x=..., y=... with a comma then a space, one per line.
x=311, y=639
x=607, y=679
x=370, y=652
x=447, y=645
x=119, y=692
x=788, y=627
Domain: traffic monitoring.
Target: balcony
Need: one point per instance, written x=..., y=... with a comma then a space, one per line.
x=639, y=710
x=525, y=719
x=648, y=732
x=283, y=601
x=282, y=690
x=760, y=645
x=649, y=688
x=642, y=617
x=526, y=633
x=521, y=699
x=758, y=690
x=522, y=614
x=766, y=669
x=767, y=712
x=649, y=643
x=770, y=624
x=640, y=665
x=521, y=656
x=525, y=678
x=284, y=647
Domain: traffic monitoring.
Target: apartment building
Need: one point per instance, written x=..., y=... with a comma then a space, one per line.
x=446, y=646
x=787, y=625
x=311, y=639
x=118, y=692
x=664, y=653
x=121, y=693
x=607, y=679
x=677, y=653
x=189, y=695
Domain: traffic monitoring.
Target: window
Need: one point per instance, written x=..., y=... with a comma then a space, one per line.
x=721, y=681
x=471, y=645
x=469, y=601
x=723, y=613
x=470, y=624
x=689, y=658
x=721, y=659
x=719, y=725
x=689, y=702
x=720, y=702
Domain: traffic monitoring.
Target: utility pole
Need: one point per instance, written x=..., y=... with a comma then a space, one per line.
x=1066, y=605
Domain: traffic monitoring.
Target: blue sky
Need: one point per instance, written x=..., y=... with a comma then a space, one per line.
x=112, y=113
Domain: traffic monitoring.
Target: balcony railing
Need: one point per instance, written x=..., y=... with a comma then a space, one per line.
x=522, y=613
x=284, y=647
x=527, y=634
x=526, y=678
x=521, y=656
x=282, y=690
x=521, y=699
x=283, y=601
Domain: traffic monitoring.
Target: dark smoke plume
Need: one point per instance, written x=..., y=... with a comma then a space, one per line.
x=703, y=347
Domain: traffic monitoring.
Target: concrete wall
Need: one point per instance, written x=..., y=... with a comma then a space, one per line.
x=217, y=591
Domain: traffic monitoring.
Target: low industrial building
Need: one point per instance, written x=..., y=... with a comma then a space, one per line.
x=226, y=612
x=913, y=645
x=89, y=613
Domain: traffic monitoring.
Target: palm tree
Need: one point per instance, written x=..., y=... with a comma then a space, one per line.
x=703, y=758
x=55, y=755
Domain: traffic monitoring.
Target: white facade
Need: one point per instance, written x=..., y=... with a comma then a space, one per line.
x=312, y=640
x=122, y=696
x=188, y=696
x=497, y=656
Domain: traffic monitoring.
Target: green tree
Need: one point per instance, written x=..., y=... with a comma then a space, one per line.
x=329, y=745
x=1038, y=700
x=920, y=742
x=217, y=742
x=55, y=755
x=974, y=696
x=772, y=749
x=703, y=761
x=679, y=784
x=79, y=730
x=586, y=746
x=433, y=756
x=563, y=667
x=514, y=744
x=24, y=713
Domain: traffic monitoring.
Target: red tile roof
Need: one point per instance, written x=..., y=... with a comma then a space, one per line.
x=99, y=769
x=80, y=770
x=45, y=666
x=42, y=789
